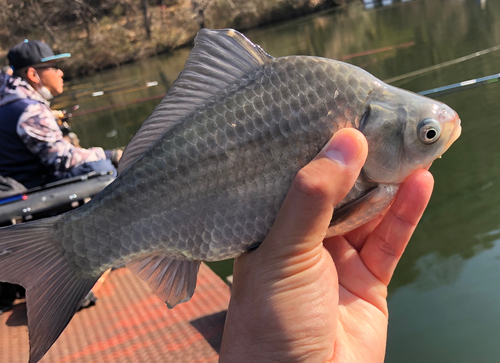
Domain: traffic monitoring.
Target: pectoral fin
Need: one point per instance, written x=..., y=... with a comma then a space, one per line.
x=361, y=210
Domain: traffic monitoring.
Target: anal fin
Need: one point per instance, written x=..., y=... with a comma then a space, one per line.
x=361, y=210
x=173, y=280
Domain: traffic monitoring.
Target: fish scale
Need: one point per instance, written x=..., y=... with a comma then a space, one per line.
x=206, y=174
x=187, y=146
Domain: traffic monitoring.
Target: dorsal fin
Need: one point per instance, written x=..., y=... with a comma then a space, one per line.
x=219, y=58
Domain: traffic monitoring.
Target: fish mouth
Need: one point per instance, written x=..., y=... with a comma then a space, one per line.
x=455, y=133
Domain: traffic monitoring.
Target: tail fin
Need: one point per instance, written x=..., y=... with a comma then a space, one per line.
x=30, y=257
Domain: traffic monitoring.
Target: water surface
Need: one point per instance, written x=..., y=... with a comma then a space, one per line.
x=444, y=299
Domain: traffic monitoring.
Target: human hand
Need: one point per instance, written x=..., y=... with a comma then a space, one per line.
x=116, y=155
x=302, y=298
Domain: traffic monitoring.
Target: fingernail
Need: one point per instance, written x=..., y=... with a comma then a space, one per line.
x=342, y=149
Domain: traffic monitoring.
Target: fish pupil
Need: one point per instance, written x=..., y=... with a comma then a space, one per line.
x=431, y=134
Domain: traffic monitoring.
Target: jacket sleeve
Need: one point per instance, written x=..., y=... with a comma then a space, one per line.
x=38, y=129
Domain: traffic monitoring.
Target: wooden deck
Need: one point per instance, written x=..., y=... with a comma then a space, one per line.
x=130, y=324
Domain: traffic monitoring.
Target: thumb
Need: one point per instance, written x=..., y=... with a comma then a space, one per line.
x=305, y=215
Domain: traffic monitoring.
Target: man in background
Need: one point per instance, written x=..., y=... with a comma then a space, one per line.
x=33, y=150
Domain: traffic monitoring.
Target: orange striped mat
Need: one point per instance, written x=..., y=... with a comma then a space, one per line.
x=130, y=324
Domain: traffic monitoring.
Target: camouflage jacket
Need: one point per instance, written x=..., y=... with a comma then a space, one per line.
x=38, y=129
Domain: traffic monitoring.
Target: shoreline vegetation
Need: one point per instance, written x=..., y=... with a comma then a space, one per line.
x=105, y=34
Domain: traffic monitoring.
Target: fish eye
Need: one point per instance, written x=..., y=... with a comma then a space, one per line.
x=429, y=130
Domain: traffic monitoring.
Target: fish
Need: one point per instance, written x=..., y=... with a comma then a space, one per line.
x=205, y=175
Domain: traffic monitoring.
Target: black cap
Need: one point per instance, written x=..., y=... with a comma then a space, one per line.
x=32, y=52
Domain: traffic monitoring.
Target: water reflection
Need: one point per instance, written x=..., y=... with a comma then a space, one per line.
x=452, y=322
x=129, y=95
x=434, y=270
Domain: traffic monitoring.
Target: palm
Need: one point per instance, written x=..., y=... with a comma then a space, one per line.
x=334, y=305
x=361, y=317
x=360, y=336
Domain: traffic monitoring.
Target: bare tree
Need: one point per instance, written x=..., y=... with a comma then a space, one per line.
x=147, y=22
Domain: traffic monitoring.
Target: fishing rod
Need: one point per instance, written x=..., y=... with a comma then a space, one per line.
x=461, y=86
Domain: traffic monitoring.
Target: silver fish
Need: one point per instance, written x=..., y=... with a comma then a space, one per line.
x=205, y=176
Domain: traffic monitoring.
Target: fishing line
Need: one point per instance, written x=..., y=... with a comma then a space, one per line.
x=442, y=65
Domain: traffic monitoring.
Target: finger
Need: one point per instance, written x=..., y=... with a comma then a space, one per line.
x=305, y=214
x=357, y=237
x=384, y=247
